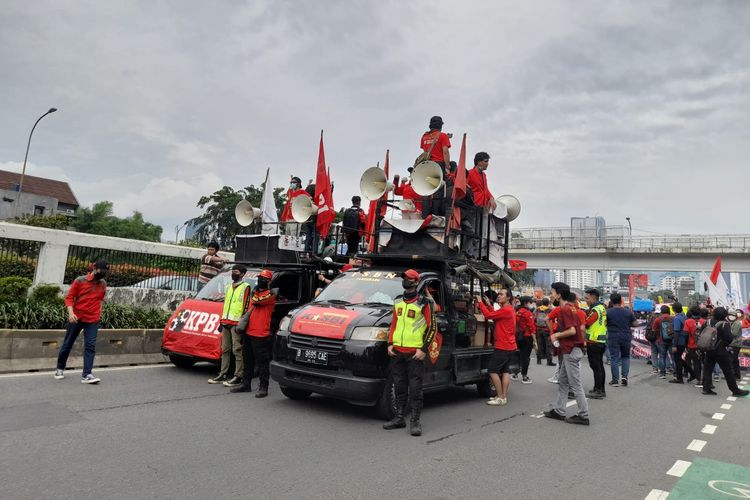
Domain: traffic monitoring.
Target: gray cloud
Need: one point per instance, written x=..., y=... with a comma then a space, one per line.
x=619, y=109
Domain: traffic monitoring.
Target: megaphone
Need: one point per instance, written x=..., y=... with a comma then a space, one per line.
x=374, y=184
x=245, y=213
x=512, y=206
x=426, y=178
x=303, y=208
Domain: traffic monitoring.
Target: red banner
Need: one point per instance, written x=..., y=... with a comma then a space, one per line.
x=323, y=195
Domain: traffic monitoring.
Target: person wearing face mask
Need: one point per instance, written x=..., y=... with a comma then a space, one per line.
x=295, y=189
x=236, y=299
x=256, y=345
x=412, y=330
x=84, y=303
x=405, y=189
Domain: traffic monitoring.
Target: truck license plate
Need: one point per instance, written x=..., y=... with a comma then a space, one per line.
x=312, y=356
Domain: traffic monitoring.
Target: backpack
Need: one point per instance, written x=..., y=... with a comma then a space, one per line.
x=350, y=223
x=651, y=334
x=541, y=318
x=667, y=329
x=708, y=337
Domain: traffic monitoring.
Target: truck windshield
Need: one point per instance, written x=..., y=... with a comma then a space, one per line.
x=380, y=287
x=214, y=289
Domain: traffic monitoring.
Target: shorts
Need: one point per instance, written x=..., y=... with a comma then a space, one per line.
x=500, y=361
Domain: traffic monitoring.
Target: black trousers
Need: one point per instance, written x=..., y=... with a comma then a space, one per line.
x=679, y=365
x=525, y=346
x=736, y=361
x=694, y=363
x=352, y=243
x=407, y=374
x=257, y=353
x=595, y=352
x=544, y=346
x=724, y=360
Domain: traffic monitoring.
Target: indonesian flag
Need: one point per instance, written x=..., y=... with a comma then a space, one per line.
x=323, y=196
x=459, y=188
x=517, y=265
x=370, y=226
x=716, y=271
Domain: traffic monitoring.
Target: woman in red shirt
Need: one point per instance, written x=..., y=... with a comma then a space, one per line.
x=527, y=329
x=505, y=343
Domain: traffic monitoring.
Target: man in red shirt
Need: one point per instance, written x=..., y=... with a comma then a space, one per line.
x=571, y=341
x=477, y=181
x=256, y=349
x=505, y=343
x=525, y=323
x=84, y=304
x=437, y=143
x=692, y=358
x=404, y=189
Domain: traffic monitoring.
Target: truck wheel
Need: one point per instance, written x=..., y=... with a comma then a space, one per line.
x=486, y=389
x=295, y=394
x=181, y=361
x=386, y=405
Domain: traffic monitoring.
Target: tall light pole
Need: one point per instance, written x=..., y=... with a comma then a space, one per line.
x=23, y=172
x=630, y=227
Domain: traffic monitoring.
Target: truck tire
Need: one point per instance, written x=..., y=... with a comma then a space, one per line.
x=181, y=361
x=486, y=389
x=386, y=405
x=295, y=394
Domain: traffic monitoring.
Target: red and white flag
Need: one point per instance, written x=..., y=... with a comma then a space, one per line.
x=459, y=188
x=323, y=195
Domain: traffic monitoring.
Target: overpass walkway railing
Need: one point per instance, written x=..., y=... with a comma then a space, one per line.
x=660, y=243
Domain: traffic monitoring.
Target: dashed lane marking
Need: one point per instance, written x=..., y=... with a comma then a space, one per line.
x=732, y=398
x=696, y=445
x=657, y=495
x=679, y=468
x=718, y=416
x=726, y=406
x=708, y=429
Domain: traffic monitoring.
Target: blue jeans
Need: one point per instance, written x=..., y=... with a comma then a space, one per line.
x=654, y=356
x=89, y=335
x=665, y=351
x=619, y=353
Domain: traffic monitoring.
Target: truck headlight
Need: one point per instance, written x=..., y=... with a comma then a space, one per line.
x=370, y=333
x=284, y=324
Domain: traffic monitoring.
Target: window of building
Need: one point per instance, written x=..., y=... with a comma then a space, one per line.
x=38, y=210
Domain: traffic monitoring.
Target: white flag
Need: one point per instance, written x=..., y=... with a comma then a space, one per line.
x=268, y=216
x=736, y=290
x=718, y=294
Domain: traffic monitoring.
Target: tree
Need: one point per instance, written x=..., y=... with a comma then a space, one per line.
x=666, y=295
x=58, y=221
x=99, y=220
x=525, y=277
x=218, y=221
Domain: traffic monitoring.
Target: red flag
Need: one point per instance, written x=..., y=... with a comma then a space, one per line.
x=323, y=196
x=370, y=226
x=459, y=188
x=716, y=270
x=517, y=265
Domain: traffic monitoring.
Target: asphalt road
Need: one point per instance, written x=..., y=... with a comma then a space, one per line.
x=163, y=432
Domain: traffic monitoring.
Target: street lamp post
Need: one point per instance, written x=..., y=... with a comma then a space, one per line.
x=26, y=157
x=630, y=227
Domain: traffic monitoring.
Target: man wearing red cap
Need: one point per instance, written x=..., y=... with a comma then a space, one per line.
x=412, y=330
x=256, y=346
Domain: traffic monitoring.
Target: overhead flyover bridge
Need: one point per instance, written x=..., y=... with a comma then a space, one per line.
x=614, y=248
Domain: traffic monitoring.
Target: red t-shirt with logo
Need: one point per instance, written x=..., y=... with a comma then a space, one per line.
x=690, y=327
x=570, y=317
x=442, y=141
x=505, y=325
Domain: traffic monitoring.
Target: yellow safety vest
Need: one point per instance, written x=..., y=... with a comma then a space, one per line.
x=598, y=331
x=233, y=303
x=411, y=325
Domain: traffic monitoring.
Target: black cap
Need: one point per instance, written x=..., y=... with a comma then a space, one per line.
x=436, y=122
x=101, y=264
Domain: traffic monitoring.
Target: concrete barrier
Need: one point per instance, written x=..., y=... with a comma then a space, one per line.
x=32, y=350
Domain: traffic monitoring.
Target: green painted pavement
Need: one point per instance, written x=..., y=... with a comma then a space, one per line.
x=708, y=479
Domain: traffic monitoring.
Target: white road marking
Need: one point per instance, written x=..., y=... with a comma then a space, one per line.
x=657, y=495
x=726, y=406
x=708, y=429
x=77, y=371
x=679, y=468
x=732, y=398
x=718, y=416
x=570, y=403
x=696, y=445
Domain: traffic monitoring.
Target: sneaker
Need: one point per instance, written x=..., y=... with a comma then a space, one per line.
x=218, y=379
x=614, y=383
x=716, y=378
x=624, y=382
x=577, y=419
x=676, y=381
x=241, y=388
x=233, y=382
x=712, y=393
x=553, y=415
x=594, y=395
x=741, y=393
x=514, y=376
x=496, y=401
x=699, y=385
x=59, y=375
x=662, y=375
x=526, y=380
x=551, y=363
x=90, y=379
x=552, y=380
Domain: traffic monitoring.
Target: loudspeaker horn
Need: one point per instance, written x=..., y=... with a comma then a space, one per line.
x=426, y=178
x=303, y=208
x=374, y=184
x=512, y=205
x=245, y=213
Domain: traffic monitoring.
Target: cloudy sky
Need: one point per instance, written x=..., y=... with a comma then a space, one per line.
x=616, y=109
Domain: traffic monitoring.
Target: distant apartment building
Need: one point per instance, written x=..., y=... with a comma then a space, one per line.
x=40, y=196
x=673, y=282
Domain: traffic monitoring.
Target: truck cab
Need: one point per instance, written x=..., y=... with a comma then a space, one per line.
x=337, y=344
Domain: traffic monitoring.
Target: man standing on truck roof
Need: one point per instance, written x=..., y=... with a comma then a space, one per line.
x=236, y=297
x=412, y=330
x=256, y=348
x=505, y=343
x=84, y=303
x=211, y=265
x=353, y=225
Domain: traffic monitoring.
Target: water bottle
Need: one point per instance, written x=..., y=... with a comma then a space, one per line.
x=556, y=343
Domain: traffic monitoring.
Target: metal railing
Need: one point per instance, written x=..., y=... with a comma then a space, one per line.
x=19, y=257
x=660, y=243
